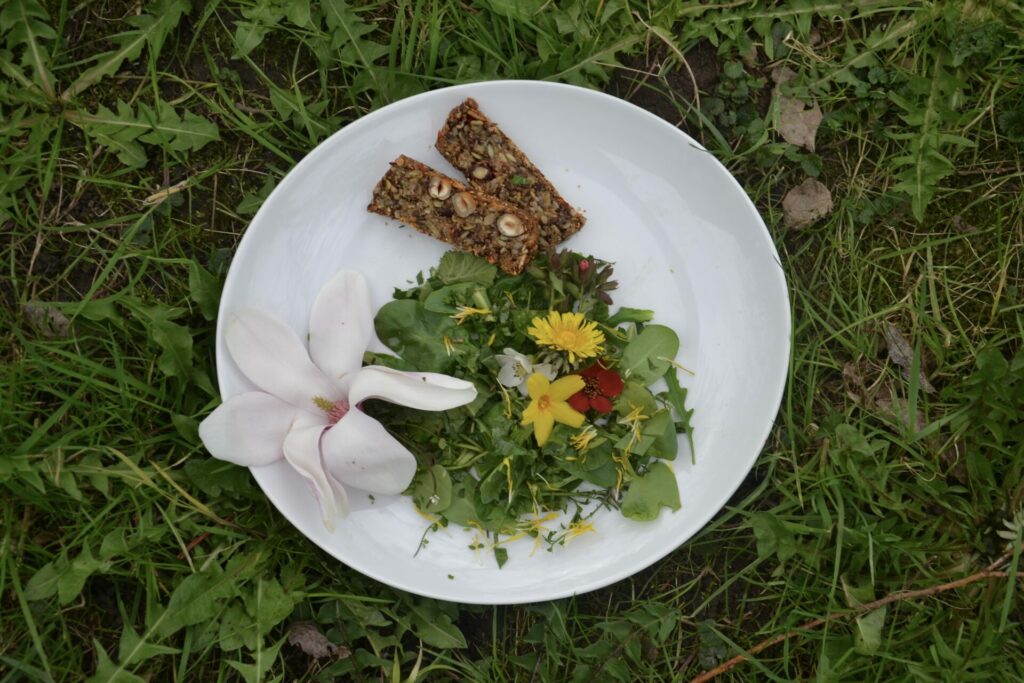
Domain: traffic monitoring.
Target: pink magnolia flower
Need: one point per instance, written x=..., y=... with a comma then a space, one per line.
x=309, y=410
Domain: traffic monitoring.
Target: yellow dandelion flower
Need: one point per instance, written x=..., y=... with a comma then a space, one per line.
x=578, y=529
x=549, y=404
x=581, y=439
x=633, y=420
x=463, y=313
x=569, y=332
x=449, y=348
x=536, y=528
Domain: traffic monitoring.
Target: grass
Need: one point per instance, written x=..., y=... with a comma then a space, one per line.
x=137, y=141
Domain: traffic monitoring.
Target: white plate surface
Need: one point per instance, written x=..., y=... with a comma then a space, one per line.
x=686, y=240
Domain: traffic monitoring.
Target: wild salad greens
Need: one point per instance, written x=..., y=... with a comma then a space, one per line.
x=565, y=420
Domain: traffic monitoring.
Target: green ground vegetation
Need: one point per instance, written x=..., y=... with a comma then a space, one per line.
x=137, y=140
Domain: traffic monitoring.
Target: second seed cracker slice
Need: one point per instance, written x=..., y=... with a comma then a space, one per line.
x=494, y=164
x=445, y=209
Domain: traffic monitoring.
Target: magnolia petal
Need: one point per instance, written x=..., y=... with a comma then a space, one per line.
x=341, y=324
x=248, y=429
x=302, y=450
x=420, y=390
x=271, y=355
x=564, y=387
x=359, y=452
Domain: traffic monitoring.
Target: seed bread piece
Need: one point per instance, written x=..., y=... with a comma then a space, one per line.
x=445, y=209
x=494, y=164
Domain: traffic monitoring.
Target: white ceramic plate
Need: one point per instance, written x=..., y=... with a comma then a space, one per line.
x=686, y=240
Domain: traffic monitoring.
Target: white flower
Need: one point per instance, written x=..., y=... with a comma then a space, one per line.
x=516, y=368
x=309, y=410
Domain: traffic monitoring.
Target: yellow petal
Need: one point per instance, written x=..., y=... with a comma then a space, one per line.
x=530, y=414
x=564, y=387
x=564, y=413
x=542, y=427
x=537, y=385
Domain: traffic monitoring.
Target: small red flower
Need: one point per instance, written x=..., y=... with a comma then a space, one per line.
x=601, y=385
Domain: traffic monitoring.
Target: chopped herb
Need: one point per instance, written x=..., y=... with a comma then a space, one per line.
x=520, y=180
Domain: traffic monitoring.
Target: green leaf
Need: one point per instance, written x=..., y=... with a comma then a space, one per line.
x=237, y=629
x=297, y=12
x=96, y=310
x=849, y=438
x=435, y=628
x=348, y=35
x=635, y=395
x=663, y=430
x=123, y=131
x=176, y=342
x=174, y=132
x=462, y=509
x=646, y=356
x=73, y=579
x=658, y=429
x=440, y=300
x=414, y=333
x=133, y=649
x=432, y=489
x=247, y=37
x=458, y=266
x=676, y=397
x=868, y=636
x=500, y=556
x=117, y=132
x=109, y=672
x=927, y=113
x=215, y=477
x=251, y=202
x=204, y=290
x=147, y=29
x=196, y=599
x=43, y=583
x=521, y=10
x=263, y=660
x=26, y=23
x=269, y=604
x=655, y=489
x=629, y=315
x=187, y=427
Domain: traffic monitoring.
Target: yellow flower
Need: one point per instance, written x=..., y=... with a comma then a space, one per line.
x=578, y=529
x=549, y=405
x=633, y=420
x=570, y=332
x=464, y=312
x=581, y=440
